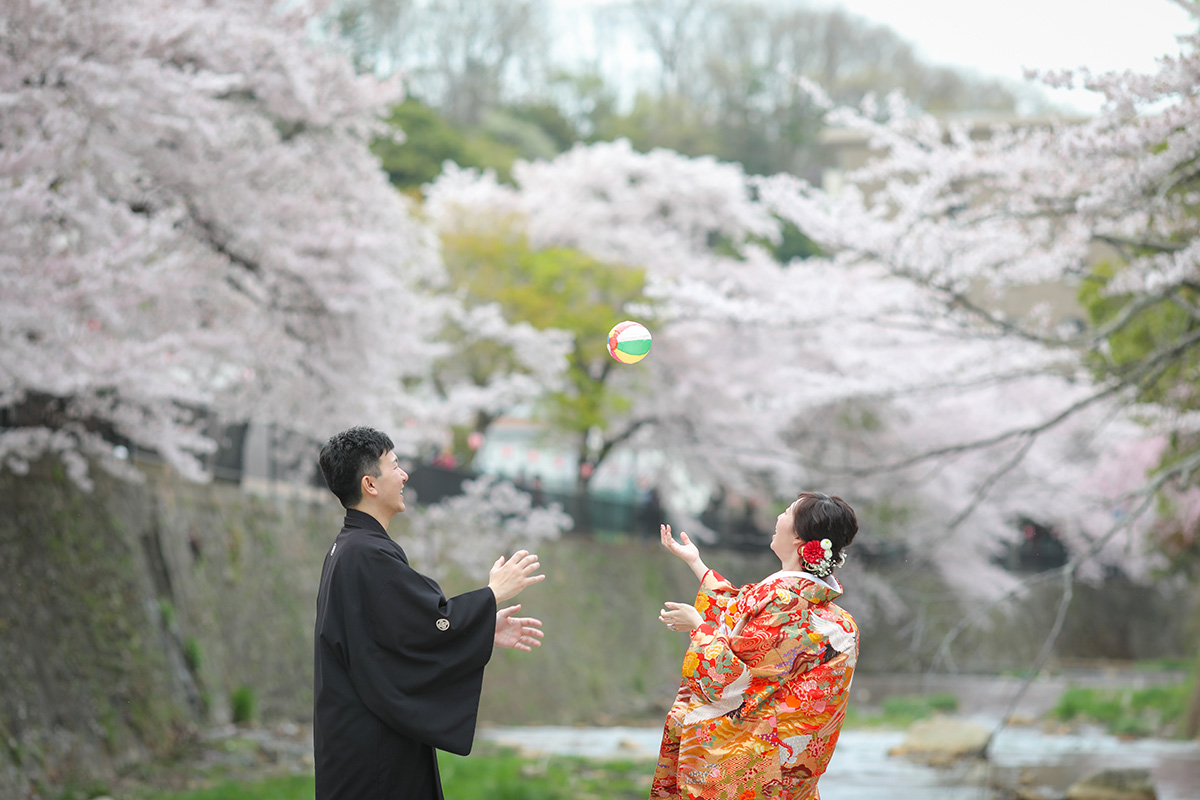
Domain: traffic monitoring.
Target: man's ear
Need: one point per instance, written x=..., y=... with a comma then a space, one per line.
x=368, y=486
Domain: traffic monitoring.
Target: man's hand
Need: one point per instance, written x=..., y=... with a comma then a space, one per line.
x=518, y=633
x=508, y=578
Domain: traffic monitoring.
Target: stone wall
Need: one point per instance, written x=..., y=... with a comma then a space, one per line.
x=130, y=615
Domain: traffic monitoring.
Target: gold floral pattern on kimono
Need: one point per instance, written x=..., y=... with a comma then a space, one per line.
x=760, y=708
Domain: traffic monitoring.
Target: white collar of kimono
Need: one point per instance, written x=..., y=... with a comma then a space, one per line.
x=829, y=583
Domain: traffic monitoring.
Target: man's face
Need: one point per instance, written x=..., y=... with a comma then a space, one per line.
x=391, y=481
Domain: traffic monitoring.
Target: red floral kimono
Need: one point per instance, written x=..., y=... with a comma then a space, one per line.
x=758, y=713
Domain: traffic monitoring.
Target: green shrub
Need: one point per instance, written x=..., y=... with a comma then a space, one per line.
x=943, y=702
x=166, y=612
x=244, y=704
x=192, y=655
x=902, y=710
x=1152, y=711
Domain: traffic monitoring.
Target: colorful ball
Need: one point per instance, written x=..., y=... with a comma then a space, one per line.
x=628, y=342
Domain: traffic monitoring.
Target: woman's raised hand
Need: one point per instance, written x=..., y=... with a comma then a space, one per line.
x=684, y=548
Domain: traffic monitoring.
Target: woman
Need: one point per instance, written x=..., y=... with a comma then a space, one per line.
x=767, y=673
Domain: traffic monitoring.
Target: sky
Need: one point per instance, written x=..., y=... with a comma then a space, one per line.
x=1003, y=38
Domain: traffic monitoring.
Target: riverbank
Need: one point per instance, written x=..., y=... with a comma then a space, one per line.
x=1037, y=762
x=1032, y=754
x=1032, y=757
x=1040, y=764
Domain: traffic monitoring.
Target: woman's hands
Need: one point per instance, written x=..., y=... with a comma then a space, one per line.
x=518, y=633
x=684, y=549
x=508, y=578
x=680, y=616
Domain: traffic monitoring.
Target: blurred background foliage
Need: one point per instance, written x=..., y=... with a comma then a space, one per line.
x=489, y=83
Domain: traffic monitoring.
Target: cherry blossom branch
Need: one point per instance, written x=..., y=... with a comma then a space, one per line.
x=1066, y=572
x=1145, y=370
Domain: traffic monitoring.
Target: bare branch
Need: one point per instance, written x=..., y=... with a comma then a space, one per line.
x=1160, y=245
x=1147, y=369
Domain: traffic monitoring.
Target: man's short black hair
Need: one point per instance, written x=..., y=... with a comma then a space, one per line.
x=350, y=455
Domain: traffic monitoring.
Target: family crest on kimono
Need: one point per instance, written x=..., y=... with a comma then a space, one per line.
x=766, y=677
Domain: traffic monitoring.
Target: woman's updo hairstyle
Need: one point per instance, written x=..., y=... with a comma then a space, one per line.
x=819, y=516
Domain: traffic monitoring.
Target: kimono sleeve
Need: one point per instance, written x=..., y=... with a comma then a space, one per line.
x=716, y=598
x=743, y=673
x=711, y=665
x=415, y=657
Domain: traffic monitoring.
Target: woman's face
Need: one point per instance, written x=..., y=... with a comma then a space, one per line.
x=783, y=541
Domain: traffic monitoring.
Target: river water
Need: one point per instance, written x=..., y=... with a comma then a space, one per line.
x=1041, y=763
x=861, y=769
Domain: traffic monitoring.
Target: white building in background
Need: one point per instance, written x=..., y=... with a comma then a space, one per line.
x=521, y=450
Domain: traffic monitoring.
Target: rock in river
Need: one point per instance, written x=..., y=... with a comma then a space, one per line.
x=940, y=741
x=1114, y=784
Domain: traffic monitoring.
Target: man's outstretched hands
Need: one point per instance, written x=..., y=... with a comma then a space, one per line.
x=519, y=633
x=508, y=578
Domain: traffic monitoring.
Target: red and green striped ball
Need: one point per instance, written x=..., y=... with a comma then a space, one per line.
x=629, y=342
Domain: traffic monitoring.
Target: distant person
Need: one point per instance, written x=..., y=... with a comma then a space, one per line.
x=398, y=666
x=767, y=674
x=650, y=512
x=537, y=495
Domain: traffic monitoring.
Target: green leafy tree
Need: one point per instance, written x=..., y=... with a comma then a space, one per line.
x=550, y=120
x=1140, y=329
x=555, y=288
x=426, y=140
x=670, y=122
x=503, y=136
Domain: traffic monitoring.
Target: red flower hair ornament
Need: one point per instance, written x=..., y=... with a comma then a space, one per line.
x=817, y=558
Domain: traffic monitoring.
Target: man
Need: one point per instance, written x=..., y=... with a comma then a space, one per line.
x=398, y=666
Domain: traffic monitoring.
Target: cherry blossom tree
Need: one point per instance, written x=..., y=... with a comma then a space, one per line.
x=839, y=372
x=690, y=224
x=1108, y=202
x=197, y=233
x=1101, y=429
x=195, y=229
x=486, y=504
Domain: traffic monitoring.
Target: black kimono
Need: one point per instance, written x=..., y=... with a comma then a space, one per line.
x=398, y=671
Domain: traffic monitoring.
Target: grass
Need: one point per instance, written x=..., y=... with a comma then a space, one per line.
x=291, y=787
x=502, y=774
x=491, y=773
x=1152, y=711
x=902, y=710
x=1185, y=665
